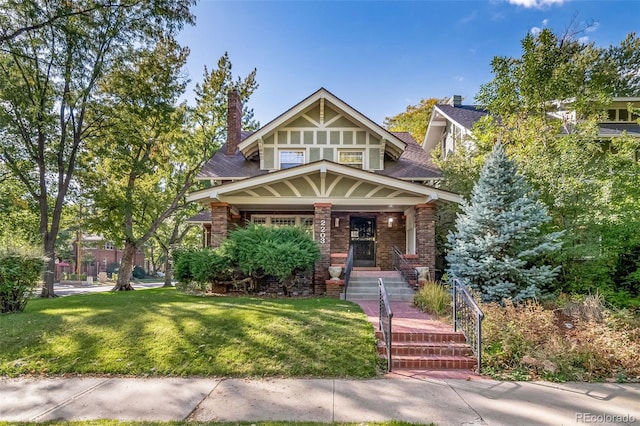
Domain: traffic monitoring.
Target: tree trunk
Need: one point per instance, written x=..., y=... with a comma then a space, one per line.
x=48, y=275
x=168, y=270
x=126, y=267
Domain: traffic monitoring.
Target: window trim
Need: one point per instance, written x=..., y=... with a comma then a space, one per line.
x=352, y=151
x=297, y=151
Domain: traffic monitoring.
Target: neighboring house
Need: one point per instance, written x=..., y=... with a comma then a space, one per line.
x=451, y=124
x=325, y=166
x=96, y=254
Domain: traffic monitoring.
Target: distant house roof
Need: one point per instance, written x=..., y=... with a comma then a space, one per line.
x=613, y=129
x=464, y=115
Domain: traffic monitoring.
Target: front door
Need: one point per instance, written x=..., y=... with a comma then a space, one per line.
x=363, y=239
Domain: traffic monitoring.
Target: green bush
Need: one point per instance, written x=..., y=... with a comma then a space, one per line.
x=20, y=270
x=433, y=298
x=279, y=252
x=201, y=267
x=138, y=272
x=255, y=251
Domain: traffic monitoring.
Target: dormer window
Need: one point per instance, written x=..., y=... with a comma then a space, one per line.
x=351, y=158
x=291, y=158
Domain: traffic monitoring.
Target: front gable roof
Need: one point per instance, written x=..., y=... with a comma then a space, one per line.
x=394, y=146
x=323, y=181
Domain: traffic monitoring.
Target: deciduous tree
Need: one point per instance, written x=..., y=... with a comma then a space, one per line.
x=413, y=120
x=49, y=78
x=152, y=150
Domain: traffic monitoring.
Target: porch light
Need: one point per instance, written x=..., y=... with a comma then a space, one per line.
x=390, y=222
x=336, y=222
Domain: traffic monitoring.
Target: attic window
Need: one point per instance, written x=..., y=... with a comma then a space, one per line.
x=290, y=159
x=351, y=158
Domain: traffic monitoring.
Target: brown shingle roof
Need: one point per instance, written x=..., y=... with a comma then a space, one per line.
x=414, y=162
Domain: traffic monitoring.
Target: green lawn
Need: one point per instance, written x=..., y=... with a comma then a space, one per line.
x=161, y=332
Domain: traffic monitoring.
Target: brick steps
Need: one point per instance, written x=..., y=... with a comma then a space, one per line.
x=433, y=363
x=420, y=349
x=428, y=351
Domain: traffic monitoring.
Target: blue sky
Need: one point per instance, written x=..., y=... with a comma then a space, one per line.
x=381, y=56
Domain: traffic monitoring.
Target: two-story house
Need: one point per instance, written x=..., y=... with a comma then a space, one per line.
x=323, y=165
x=451, y=124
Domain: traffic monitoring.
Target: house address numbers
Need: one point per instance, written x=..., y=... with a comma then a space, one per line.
x=323, y=231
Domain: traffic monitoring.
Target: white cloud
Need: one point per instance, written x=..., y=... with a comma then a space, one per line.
x=536, y=4
x=584, y=40
x=458, y=78
x=535, y=31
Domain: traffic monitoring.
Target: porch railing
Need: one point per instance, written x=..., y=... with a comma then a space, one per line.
x=348, y=267
x=402, y=265
x=386, y=316
x=467, y=317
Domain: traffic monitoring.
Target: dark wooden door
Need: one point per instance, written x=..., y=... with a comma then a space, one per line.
x=363, y=239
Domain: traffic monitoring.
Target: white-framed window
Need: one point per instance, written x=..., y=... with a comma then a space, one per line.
x=108, y=245
x=622, y=115
x=304, y=221
x=351, y=158
x=291, y=158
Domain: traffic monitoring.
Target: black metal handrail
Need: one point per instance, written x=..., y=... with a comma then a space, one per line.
x=348, y=267
x=467, y=317
x=386, y=315
x=402, y=265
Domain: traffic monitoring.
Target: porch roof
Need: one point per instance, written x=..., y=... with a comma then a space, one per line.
x=344, y=187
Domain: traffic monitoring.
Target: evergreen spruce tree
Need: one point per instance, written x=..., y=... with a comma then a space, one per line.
x=499, y=241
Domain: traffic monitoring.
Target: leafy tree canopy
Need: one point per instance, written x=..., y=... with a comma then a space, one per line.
x=414, y=119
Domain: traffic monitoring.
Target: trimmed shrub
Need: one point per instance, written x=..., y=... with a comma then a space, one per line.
x=256, y=251
x=279, y=252
x=195, y=269
x=20, y=271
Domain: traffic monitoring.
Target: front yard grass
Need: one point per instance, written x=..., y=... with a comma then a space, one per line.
x=161, y=332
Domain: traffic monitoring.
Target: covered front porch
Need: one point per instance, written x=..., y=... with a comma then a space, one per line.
x=339, y=205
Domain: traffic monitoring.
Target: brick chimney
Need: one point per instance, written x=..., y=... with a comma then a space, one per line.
x=234, y=121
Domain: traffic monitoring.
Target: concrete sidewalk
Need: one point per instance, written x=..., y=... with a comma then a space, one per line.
x=444, y=402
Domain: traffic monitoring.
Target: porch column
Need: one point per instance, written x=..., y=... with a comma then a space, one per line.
x=425, y=223
x=220, y=219
x=322, y=235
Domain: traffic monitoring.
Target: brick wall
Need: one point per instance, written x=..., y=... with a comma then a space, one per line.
x=220, y=223
x=322, y=231
x=426, y=236
x=340, y=234
x=389, y=237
